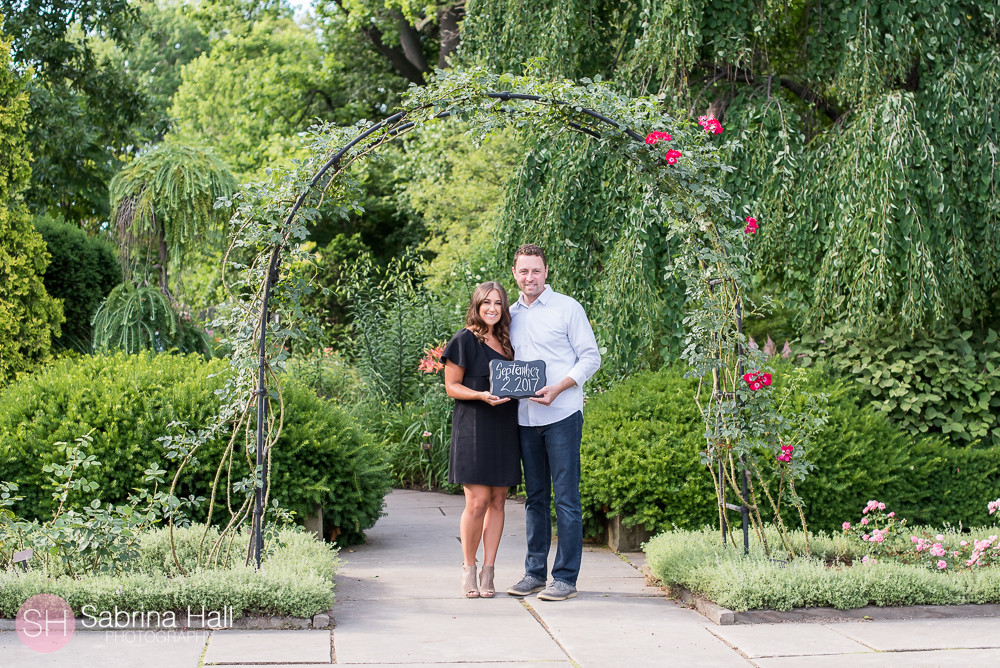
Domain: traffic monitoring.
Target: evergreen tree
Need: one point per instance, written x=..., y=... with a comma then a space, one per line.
x=29, y=317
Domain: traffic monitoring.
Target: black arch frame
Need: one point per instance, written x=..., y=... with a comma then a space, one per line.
x=272, y=276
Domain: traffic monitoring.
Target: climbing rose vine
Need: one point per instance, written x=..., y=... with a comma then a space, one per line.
x=656, y=136
x=711, y=125
x=672, y=156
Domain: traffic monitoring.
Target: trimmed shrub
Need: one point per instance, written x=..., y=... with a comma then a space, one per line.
x=640, y=455
x=322, y=458
x=82, y=272
x=641, y=458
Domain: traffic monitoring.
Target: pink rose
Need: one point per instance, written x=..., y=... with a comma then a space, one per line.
x=864, y=520
x=942, y=564
x=847, y=526
x=672, y=156
x=893, y=514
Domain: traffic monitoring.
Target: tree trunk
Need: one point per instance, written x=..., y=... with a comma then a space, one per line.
x=448, y=20
x=410, y=41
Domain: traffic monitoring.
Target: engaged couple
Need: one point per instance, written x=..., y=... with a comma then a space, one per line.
x=493, y=436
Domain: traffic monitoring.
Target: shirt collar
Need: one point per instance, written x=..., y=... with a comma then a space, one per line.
x=543, y=298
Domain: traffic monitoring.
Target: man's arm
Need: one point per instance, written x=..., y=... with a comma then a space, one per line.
x=588, y=357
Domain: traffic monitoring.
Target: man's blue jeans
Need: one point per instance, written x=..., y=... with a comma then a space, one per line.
x=551, y=456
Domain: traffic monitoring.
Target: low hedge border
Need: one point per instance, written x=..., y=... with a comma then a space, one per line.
x=695, y=560
x=295, y=581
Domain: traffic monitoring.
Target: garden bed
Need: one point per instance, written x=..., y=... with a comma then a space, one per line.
x=293, y=589
x=832, y=579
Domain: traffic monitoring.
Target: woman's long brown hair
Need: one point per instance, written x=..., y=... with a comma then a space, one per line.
x=478, y=326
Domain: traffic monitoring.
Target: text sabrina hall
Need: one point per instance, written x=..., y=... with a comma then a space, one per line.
x=121, y=619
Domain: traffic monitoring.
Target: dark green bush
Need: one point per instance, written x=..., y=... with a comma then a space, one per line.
x=640, y=457
x=82, y=272
x=323, y=456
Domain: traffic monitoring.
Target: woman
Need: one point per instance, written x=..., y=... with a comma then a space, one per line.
x=485, y=448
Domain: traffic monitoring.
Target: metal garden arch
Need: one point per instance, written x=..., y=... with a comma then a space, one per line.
x=589, y=122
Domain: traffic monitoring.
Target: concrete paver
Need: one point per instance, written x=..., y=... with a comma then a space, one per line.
x=923, y=634
x=399, y=606
x=622, y=632
x=440, y=630
x=960, y=658
x=112, y=649
x=764, y=640
x=269, y=647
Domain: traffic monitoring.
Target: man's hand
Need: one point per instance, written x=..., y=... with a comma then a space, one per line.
x=548, y=394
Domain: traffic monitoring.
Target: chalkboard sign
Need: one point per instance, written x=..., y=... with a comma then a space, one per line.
x=516, y=379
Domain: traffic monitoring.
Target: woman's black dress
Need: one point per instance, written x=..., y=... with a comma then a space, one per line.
x=485, y=446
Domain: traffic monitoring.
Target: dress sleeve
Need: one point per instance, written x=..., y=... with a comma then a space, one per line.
x=459, y=350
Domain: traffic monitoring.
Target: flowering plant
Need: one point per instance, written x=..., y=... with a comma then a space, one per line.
x=993, y=506
x=431, y=361
x=711, y=125
x=672, y=156
x=656, y=136
x=878, y=530
x=949, y=551
x=757, y=380
x=751, y=225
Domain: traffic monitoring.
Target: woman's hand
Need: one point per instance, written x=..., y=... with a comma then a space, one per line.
x=491, y=399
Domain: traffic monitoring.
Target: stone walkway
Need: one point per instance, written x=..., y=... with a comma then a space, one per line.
x=398, y=605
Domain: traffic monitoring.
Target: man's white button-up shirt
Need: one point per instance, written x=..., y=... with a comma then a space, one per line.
x=554, y=329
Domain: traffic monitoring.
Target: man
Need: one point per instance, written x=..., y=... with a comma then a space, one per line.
x=551, y=327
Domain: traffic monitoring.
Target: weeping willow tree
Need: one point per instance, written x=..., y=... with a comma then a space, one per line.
x=163, y=205
x=867, y=132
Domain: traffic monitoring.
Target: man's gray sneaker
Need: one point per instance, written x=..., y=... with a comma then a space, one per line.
x=527, y=585
x=558, y=591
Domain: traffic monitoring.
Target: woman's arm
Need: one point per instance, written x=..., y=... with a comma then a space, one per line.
x=453, y=375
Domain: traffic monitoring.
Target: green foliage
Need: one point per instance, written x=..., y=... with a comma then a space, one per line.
x=457, y=185
x=255, y=90
x=82, y=272
x=136, y=319
x=171, y=38
x=92, y=538
x=576, y=38
x=296, y=580
x=641, y=458
x=29, y=316
x=695, y=560
x=322, y=457
x=394, y=320
x=163, y=203
x=86, y=111
x=588, y=209
x=866, y=132
x=940, y=382
x=640, y=455
x=330, y=273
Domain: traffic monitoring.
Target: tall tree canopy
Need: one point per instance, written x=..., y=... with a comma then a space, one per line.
x=84, y=108
x=867, y=131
